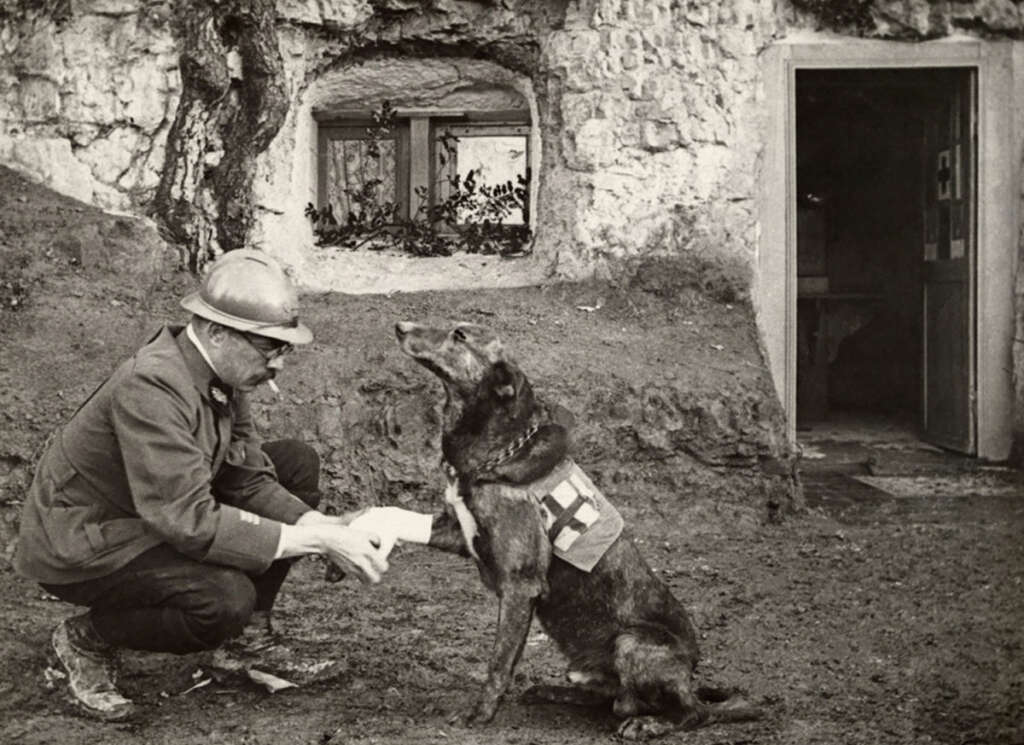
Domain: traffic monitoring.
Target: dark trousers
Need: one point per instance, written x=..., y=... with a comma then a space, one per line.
x=163, y=601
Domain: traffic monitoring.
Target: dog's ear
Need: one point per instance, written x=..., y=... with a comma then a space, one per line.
x=504, y=380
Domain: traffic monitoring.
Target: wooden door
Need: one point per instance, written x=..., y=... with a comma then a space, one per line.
x=949, y=263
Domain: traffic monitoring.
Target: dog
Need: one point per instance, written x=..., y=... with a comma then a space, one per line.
x=518, y=505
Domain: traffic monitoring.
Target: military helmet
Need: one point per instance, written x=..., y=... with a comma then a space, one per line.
x=247, y=290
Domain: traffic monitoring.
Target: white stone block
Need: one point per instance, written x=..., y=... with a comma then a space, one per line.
x=111, y=199
x=48, y=161
x=595, y=144
x=142, y=95
x=343, y=13
x=708, y=173
x=89, y=96
x=111, y=155
x=736, y=43
x=110, y=7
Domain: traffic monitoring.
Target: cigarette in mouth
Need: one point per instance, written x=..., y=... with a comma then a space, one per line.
x=273, y=387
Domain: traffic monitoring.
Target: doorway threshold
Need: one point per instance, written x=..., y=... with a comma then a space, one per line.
x=875, y=445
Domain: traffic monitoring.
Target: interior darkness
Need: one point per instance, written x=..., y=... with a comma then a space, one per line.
x=860, y=182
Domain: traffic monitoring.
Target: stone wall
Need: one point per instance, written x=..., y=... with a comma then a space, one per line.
x=657, y=129
x=86, y=100
x=649, y=111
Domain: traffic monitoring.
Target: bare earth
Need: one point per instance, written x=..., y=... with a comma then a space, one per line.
x=895, y=620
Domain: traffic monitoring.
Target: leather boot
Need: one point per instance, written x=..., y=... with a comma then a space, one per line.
x=91, y=667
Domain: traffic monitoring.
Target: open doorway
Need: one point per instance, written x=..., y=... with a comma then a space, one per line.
x=886, y=214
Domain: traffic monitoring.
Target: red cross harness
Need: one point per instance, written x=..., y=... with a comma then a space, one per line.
x=569, y=510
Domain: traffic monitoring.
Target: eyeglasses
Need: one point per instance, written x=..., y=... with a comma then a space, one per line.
x=269, y=349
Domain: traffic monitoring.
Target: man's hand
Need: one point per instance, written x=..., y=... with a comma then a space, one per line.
x=354, y=550
x=315, y=517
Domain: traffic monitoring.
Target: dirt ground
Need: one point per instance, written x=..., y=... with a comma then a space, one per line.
x=855, y=620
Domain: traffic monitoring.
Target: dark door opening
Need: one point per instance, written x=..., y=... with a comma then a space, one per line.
x=885, y=215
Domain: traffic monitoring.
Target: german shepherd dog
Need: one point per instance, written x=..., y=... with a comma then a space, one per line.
x=628, y=641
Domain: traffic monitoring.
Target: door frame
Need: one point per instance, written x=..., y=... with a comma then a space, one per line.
x=998, y=196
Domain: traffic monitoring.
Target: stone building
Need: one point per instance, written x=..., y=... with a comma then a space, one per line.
x=852, y=166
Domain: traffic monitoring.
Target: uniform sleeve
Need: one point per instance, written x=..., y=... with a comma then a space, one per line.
x=170, y=480
x=247, y=478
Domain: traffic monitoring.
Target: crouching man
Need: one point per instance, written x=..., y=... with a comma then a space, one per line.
x=156, y=508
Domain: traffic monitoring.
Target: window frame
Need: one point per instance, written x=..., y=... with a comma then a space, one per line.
x=355, y=128
x=416, y=146
x=495, y=124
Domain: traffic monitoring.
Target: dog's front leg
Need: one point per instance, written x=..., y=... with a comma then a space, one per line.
x=446, y=534
x=515, y=611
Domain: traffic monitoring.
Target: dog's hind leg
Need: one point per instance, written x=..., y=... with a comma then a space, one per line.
x=672, y=708
x=656, y=694
x=649, y=726
x=587, y=689
x=682, y=710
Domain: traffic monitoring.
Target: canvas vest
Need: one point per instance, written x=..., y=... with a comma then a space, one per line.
x=580, y=522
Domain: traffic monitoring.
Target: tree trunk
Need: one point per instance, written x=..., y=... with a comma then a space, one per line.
x=204, y=198
x=260, y=106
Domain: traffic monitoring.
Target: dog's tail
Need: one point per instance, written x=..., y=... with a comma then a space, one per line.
x=724, y=705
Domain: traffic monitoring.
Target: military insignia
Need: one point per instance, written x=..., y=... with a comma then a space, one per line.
x=218, y=395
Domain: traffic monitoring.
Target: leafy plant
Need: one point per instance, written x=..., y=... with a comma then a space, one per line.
x=470, y=218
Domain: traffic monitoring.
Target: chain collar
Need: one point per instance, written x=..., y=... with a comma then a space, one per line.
x=500, y=457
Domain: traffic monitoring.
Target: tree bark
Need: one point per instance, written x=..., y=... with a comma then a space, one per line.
x=204, y=199
x=260, y=105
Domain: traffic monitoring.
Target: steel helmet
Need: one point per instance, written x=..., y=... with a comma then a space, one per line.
x=247, y=290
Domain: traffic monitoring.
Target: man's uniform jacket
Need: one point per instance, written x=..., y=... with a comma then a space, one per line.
x=153, y=457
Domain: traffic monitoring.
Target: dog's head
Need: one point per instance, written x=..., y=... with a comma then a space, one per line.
x=490, y=402
x=461, y=356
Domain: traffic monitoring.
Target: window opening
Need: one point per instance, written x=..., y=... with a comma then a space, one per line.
x=489, y=155
x=357, y=161
x=424, y=182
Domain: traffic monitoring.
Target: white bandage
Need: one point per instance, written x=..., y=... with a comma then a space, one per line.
x=395, y=524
